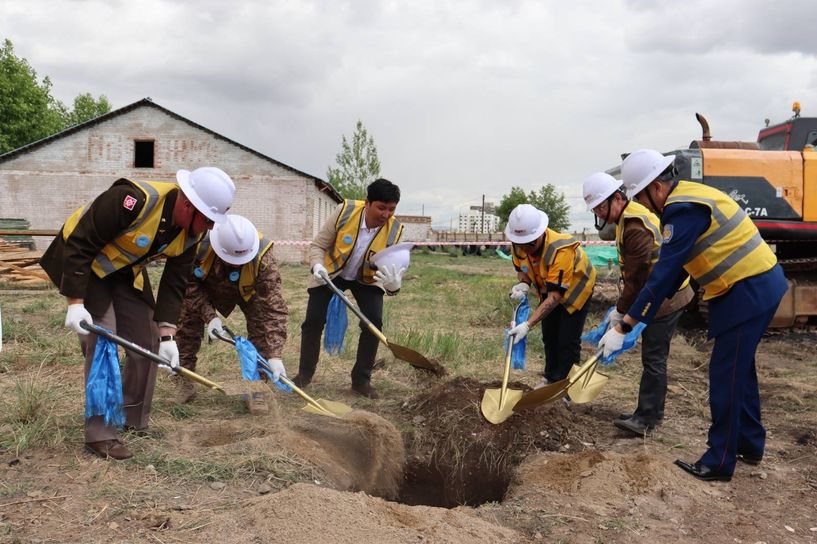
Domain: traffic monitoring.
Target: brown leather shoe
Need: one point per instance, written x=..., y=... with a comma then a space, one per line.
x=185, y=390
x=301, y=381
x=114, y=449
x=365, y=390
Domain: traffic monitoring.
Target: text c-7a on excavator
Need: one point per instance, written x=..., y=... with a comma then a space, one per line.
x=774, y=180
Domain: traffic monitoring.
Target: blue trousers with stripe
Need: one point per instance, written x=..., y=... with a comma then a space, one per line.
x=734, y=398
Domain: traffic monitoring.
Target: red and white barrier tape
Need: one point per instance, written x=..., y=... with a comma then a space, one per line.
x=460, y=243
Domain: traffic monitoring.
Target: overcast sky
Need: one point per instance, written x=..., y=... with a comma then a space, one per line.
x=463, y=98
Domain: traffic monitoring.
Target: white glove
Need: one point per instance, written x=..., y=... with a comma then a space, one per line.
x=615, y=318
x=319, y=271
x=169, y=351
x=519, y=332
x=278, y=370
x=215, y=325
x=519, y=291
x=611, y=341
x=390, y=278
x=75, y=315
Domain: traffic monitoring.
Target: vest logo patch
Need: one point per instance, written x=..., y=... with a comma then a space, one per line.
x=347, y=239
x=524, y=269
x=142, y=241
x=129, y=203
x=667, y=234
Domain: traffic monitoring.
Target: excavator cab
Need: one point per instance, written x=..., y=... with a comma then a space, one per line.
x=795, y=134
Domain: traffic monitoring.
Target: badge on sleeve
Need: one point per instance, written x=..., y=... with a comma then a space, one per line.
x=129, y=203
x=667, y=234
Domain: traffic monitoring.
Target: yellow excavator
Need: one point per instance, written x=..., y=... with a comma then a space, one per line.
x=775, y=181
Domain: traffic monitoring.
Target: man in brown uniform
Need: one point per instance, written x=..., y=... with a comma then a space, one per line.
x=638, y=240
x=98, y=262
x=234, y=267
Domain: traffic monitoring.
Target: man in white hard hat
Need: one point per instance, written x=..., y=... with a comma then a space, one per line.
x=708, y=236
x=234, y=266
x=343, y=250
x=638, y=240
x=563, y=277
x=98, y=262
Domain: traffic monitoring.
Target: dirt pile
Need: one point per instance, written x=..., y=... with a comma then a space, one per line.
x=457, y=457
x=306, y=514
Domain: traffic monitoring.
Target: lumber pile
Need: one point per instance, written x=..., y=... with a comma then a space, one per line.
x=19, y=266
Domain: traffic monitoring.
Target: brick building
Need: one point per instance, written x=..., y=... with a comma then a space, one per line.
x=416, y=228
x=43, y=182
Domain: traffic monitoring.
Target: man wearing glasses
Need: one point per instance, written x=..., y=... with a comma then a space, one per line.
x=563, y=277
x=638, y=241
x=98, y=260
x=708, y=236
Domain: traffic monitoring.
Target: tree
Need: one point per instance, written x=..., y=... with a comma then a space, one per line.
x=547, y=199
x=86, y=108
x=510, y=201
x=357, y=165
x=553, y=203
x=28, y=112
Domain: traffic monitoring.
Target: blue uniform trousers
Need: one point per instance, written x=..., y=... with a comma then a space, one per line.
x=734, y=398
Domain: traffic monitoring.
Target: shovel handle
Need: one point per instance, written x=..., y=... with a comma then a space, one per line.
x=263, y=362
x=355, y=309
x=147, y=354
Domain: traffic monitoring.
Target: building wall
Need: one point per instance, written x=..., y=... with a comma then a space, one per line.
x=45, y=185
x=416, y=228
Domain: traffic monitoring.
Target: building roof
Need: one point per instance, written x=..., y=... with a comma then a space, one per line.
x=147, y=102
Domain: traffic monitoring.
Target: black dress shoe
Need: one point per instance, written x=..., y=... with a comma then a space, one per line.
x=365, y=390
x=750, y=459
x=633, y=425
x=301, y=381
x=702, y=472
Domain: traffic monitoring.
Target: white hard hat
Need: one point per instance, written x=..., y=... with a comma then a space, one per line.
x=641, y=168
x=525, y=224
x=235, y=240
x=598, y=187
x=398, y=255
x=209, y=189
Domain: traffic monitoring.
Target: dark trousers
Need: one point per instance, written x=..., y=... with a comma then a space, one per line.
x=734, y=398
x=655, y=344
x=370, y=301
x=130, y=317
x=562, y=337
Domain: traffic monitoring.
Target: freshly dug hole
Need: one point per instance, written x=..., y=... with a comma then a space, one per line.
x=457, y=457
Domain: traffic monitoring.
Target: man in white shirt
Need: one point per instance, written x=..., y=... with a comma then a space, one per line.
x=342, y=250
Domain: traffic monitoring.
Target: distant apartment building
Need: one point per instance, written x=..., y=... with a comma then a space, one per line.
x=475, y=221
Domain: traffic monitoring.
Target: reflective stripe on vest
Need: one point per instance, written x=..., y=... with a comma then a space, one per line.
x=132, y=244
x=205, y=255
x=348, y=227
x=730, y=250
x=583, y=278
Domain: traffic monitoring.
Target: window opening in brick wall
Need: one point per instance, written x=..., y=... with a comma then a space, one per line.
x=143, y=154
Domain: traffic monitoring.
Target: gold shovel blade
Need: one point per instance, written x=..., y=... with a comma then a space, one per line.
x=543, y=395
x=584, y=389
x=329, y=407
x=494, y=411
x=416, y=359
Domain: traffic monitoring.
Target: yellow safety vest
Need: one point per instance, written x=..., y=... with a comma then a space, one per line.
x=583, y=278
x=205, y=255
x=348, y=227
x=634, y=210
x=132, y=245
x=730, y=250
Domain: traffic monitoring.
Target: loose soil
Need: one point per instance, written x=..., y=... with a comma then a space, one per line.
x=560, y=473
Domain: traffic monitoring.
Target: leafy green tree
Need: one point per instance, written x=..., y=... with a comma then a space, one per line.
x=553, y=203
x=547, y=199
x=357, y=165
x=28, y=111
x=510, y=201
x=86, y=108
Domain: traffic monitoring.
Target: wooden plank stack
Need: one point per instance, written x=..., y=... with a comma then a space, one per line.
x=19, y=266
